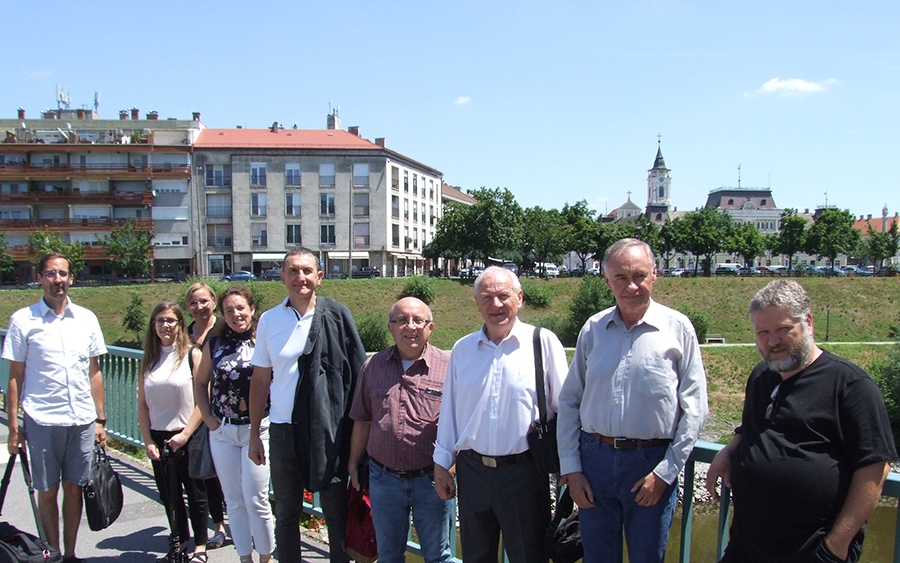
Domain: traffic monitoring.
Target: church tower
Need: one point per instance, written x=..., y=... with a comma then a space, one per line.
x=659, y=186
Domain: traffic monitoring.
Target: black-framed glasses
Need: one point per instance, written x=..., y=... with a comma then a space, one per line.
x=404, y=321
x=773, y=404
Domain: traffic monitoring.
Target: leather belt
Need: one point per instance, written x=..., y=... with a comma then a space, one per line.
x=497, y=460
x=236, y=421
x=404, y=473
x=630, y=444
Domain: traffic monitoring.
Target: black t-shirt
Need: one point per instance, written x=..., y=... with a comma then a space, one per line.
x=797, y=455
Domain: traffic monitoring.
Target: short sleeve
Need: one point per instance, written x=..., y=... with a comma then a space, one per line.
x=865, y=425
x=261, y=351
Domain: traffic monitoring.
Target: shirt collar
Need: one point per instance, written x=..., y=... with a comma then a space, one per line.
x=652, y=316
x=395, y=353
x=288, y=306
x=519, y=331
x=44, y=308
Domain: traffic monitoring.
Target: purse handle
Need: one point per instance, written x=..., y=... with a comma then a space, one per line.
x=539, y=376
x=26, y=472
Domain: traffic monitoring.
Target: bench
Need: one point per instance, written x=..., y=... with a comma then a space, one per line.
x=715, y=339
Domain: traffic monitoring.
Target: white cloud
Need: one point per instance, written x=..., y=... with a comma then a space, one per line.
x=462, y=100
x=791, y=87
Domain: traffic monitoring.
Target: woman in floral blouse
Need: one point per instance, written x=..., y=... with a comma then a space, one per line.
x=222, y=392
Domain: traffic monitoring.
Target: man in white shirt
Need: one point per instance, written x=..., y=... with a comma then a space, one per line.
x=488, y=406
x=630, y=411
x=52, y=348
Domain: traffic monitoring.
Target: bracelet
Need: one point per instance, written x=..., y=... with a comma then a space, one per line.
x=101, y=421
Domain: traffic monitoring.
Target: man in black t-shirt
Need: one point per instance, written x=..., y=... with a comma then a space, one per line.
x=810, y=458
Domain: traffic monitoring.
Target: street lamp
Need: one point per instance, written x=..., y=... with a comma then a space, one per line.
x=827, y=320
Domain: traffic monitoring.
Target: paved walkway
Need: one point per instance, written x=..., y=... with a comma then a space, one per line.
x=140, y=535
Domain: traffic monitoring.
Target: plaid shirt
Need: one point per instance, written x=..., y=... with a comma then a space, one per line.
x=403, y=407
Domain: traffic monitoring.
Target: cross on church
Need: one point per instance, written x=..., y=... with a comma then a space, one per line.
x=629, y=195
x=659, y=139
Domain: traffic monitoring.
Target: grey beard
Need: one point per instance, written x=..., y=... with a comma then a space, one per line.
x=795, y=360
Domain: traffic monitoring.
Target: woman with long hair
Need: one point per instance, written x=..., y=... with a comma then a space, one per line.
x=168, y=419
x=222, y=391
x=200, y=300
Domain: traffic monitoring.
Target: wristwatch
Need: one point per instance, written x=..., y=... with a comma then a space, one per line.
x=101, y=421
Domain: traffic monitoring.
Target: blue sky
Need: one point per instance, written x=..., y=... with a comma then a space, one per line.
x=557, y=101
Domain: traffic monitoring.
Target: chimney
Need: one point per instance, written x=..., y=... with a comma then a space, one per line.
x=806, y=210
x=274, y=128
x=135, y=114
x=152, y=115
x=123, y=114
x=80, y=113
x=196, y=115
x=353, y=130
x=334, y=120
x=869, y=217
x=379, y=141
x=21, y=113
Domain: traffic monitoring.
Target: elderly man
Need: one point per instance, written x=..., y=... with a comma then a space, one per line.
x=489, y=404
x=395, y=413
x=812, y=453
x=629, y=413
x=53, y=348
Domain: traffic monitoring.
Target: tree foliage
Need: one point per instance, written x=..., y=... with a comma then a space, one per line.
x=832, y=233
x=6, y=260
x=746, y=240
x=545, y=234
x=882, y=245
x=45, y=242
x=791, y=234
x=705, y=233
x=672, y=239
x=129, y=250
x=490, y=228
x=583, y=233
x=135, y=319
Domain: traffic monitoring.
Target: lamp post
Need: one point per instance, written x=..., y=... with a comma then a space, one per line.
x=827, y=320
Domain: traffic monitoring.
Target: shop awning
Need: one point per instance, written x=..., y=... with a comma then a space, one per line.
x=343, y=255
x=406, y=256
x=268, y=256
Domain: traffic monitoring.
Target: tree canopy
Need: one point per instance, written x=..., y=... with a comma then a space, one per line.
x=791, y=234
x=705, y=233
x=746, y=240
x=129, y=250
x=45, y=242
x=832, y=233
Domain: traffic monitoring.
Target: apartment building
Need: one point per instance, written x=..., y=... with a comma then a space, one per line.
x=73, y=173
x=260, y=192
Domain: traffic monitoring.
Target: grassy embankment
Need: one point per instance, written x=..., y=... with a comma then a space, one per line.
x=862, y=310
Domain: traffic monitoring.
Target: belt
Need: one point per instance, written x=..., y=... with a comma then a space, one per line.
x=404, y=473
x=497, y=460
x=630, y=444
x=236, y=421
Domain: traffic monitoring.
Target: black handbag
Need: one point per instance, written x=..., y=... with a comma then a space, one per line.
x=563, y=541
x=103, y=492
x=200, y=461
x=17, y=546
x=542, y=434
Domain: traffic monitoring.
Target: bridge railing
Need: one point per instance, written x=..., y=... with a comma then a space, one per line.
x=120, y=372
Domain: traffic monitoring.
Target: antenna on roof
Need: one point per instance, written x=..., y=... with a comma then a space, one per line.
x=739, y=176
x=96, y=100
x=62, y=97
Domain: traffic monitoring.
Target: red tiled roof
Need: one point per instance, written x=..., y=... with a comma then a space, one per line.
x=284, y=138
x=862, y=225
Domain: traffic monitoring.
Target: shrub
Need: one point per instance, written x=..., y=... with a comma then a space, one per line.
x=537, y=293
x=421, y=287
x=592, y=297
x=698, y=318
x=373, y=332
x=887, y=375
x=135, y=320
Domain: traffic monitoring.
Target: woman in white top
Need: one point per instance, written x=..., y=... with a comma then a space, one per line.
x=168, y=419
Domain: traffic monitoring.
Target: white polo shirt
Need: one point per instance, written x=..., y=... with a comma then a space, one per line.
x=57, y=353
x=280, y=339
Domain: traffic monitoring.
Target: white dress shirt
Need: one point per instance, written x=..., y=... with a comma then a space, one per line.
x=169, y=391
x=642, y=383
x=490, y=397
x=57, y=352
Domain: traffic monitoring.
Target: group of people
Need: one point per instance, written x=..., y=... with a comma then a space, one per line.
x=291, y=397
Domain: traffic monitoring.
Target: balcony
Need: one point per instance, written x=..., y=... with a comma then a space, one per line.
x=91, y=252
x=118, y=171
x=75, y=197
x=69, y=225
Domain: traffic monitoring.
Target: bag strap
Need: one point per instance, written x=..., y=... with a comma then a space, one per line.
x=564, y=507
x=4, y=484
x=539, y=375
x=26, y=471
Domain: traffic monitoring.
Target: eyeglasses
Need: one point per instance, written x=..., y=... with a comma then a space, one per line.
x=403, y=321
x=61, y=274
x=201, y=302
x=165, y=322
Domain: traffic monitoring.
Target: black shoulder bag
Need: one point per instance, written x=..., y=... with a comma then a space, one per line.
x=542, y=434
x=103, y=497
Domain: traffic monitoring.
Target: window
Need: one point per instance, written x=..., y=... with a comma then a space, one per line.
x=431, y=214
x=258, y=174
x=292, y=175
x=361, y=234
x=415, y=207
x=326, y=233
x=258, y=205
x=218, y=206
x=169, y=213
x=406, y=209
x=395, y=236
x=326, y=205
x=293, y=234
x=415, y=238
x=424, y=218
x=415, y=184
x=430, y=189
x=326, y=175
x=406, y=180
x=291, y=205
x=395, y=178
x=361, y=175
x=218, y=235
x=395, y=207
x=361, y=205
x=763, y=202
x=258, y=234
x=406, y=239
x=216, y=264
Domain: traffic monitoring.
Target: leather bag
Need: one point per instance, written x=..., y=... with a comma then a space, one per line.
x=18, y=546
x=103, y=492
x=563, y=541
x=200, y=460
x=360, y=543
x=542, y=434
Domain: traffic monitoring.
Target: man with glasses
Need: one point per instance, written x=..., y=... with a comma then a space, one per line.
x=395, y=409
x=52, y=348
x=808, y=462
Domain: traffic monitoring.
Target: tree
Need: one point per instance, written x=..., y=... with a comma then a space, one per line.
x=882, y=245
x=832, y=233
x=6, y=260
x=605, y=236
x=495, y=222
x=135, y=320
x=671, y=239
x=129, y=250
x=791, y=234
x=546, y=234
x=45, y=242
x=706, y=231
x=583, y=234
x=746, y=240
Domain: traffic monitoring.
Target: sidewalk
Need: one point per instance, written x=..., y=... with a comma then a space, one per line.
x=140, y=535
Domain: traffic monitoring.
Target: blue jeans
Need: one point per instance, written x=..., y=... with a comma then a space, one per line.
x=612, y=473
x=392, y=498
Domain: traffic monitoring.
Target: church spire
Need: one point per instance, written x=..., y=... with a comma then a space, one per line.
x=659, y=163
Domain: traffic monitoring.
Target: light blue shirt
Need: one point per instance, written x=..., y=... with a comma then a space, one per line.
x=643, y=383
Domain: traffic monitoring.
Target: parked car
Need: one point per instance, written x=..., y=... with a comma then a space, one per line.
x=511, y=266
x=766, y=271
x=808, y=270
x=675, y=272
x=366, y=272
x=853, y=270
x=751, y=271
x=831, y=271
x=272, y=274
x=239, y=276
x=595, y=271
x=777, y=270
x=576, y=272
x=728, y=270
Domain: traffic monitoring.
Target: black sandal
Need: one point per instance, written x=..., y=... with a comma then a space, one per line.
x=199, y=557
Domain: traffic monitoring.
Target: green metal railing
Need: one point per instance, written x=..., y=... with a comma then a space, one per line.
x=120, y=371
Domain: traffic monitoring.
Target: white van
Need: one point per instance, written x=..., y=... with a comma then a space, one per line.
x=547, y=270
